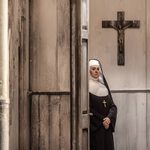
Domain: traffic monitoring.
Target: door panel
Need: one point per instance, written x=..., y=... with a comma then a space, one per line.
x=131, y=125
x=50, y=74
x=57, y=116
x=84, y=74
x=50, y=45
x=84, y=96
x=50, y=122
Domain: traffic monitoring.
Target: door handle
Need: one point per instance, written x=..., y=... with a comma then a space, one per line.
x=86, y=119
x=90, y=114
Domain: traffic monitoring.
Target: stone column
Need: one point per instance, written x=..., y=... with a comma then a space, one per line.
x=4, y=76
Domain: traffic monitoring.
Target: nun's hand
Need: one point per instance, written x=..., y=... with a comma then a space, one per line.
x=106, y=126
x=106, y=122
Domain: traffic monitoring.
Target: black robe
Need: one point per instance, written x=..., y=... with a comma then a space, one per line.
x=101, y=138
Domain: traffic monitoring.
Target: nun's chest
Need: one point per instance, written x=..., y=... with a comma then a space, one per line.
x=99, y=103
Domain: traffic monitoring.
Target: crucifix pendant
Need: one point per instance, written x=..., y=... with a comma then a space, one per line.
x=104, y=102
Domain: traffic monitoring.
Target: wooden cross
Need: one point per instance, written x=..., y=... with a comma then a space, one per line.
x=120, y=25
x=104, y=102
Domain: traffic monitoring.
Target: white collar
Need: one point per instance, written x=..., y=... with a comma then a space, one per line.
x=97, y=88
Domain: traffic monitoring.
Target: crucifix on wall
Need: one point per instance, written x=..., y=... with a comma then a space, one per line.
x=120, y=25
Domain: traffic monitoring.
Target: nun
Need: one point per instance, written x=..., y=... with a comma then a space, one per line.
x=102, y=108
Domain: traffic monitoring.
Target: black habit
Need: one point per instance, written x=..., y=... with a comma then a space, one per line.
x=101, y=107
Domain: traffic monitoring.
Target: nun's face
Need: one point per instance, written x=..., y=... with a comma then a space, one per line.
x=95, y=71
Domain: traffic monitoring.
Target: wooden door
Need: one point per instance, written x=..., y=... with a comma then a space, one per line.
x=129, y=83
x=54, y=110
x=45, y=113
x=49, y=74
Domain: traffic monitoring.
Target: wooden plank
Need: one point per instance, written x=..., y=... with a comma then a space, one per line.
x=43, y=31
x=84, y=95
x=131, y=121
x=85, y=141
x=65, y=125
x=44, y=122
x=148, y=121
x=85, y=14
x=84, y=77
x=63, y=45
x=14, y=77
x=141, y=121
x=54, y=123
x=148, y=70
x=50, y=45
x=148, y=43
x=76, y=50
x=50, y=123
x=24, y=120
x=35, y=123
x=73, y=77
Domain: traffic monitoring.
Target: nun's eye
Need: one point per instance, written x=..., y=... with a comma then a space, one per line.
x=93, y=68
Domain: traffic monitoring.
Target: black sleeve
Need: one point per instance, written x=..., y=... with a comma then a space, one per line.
x=96, y=120
x=113, y=108
x=96, y=115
